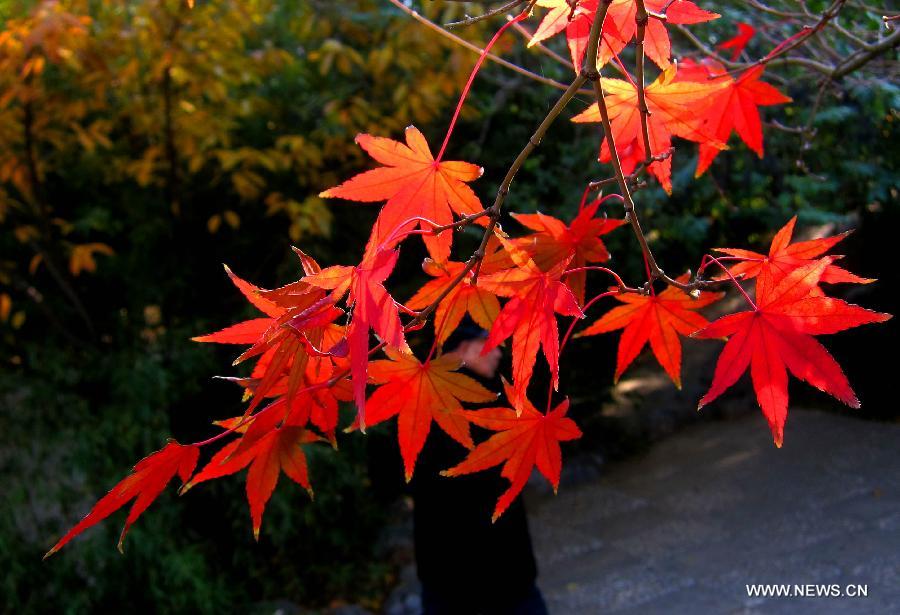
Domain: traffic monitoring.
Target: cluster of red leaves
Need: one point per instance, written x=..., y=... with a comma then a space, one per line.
x=695, y=100
x=619, y=28
x=313, y=348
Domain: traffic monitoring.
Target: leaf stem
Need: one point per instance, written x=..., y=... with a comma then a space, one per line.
x=468, y=86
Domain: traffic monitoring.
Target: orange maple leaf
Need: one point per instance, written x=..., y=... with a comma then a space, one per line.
x=480, y=304
x=675, y=109
x=619, y=27
x=553, y=241
x=526, y=438
x=419, y=392
x=373, y=308
x=577, y=23
x=529, y=315
x=656, y=38
x=300, y=315
x=414, y=184
x=275, y=450
x=784, y=257
x=739, y=41
x=659, y=319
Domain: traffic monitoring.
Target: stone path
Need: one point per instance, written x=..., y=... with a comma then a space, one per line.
x=684, y=528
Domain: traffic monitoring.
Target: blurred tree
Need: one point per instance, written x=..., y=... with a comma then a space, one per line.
x=247, y=103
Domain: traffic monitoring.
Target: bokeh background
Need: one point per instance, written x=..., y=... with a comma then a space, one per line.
x=143, y=144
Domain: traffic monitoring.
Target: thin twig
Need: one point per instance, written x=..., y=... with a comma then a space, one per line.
x=468, y=21
x=475, y=48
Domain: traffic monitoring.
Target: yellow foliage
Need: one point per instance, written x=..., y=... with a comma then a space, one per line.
x=255, y=100
x=81, y=258
x=5, y=306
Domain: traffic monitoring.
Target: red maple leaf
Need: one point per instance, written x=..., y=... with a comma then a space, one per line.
x=419, y=392
x=373, y=308
x=553, y=242
x=414, y=184
x=658, y=319
x=294, y=333
x=618, y=29
x=276, y=449
x=527, y=438
x=464, y=297
x=146, y=481
x=735, y=108
x=529, y=315
x=737, y=43
x=674, y=110
x=785, y=256
x=656, y=39
x=776, y=337
x=248, y=331
x=577, y=28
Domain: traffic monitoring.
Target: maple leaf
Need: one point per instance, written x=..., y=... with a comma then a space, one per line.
x=277, y=450
x=735, y=108
x=414, y=184
x=674, y=110
x=785, y=256
x=529, y=315
x=298, y=315
x=316, y=404
x=464, y=297
x=553, y=242
x=776, y=337
x=577, y=28
x=373, y=308
x=619, y=27
x=526, y=439
x=419, y=392
x=737, y=43
x=146, y=481
x=657, y=46
x=658, y=319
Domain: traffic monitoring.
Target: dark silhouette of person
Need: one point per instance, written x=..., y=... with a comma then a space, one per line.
x=467, y=564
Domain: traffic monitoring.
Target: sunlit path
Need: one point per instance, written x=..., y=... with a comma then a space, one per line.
x=686, y=527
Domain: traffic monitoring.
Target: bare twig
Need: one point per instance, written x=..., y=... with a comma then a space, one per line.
x=491, y=13
x=475, y=48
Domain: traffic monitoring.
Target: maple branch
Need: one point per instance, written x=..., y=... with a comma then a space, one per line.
x=622, y=287
x=795, y=41
x=640, y=168
x=656, y=273
x=860, y=58
x=473, y=264
x=588, y=72
x=641, y=18
x=491, y=13
x=709, y=258
x=462, y=222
